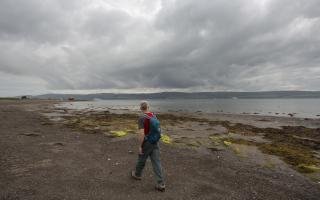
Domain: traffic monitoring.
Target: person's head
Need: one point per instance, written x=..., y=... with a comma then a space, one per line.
x=144, y=106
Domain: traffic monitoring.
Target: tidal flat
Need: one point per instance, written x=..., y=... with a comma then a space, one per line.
x=298, y=146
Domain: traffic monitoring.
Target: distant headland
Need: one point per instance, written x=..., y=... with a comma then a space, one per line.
x=186, y=95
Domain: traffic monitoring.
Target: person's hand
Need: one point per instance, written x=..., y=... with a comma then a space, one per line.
x=140, y=151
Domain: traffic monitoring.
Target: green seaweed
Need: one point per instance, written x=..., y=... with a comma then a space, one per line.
x=308, y=168
x=166, y=139
x=268, y=165
x=227, y=143
x=216, y=140
x=241, y=141
x=293, y=155
x=119, y=133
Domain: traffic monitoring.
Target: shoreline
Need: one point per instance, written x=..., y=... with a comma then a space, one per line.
x=182, y=109
x=275, y=121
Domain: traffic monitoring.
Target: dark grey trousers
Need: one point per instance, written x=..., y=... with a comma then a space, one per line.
x=152, y=151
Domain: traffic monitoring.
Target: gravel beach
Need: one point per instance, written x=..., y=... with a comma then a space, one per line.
x=44, y=158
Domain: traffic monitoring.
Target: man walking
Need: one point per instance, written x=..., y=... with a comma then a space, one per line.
x=148, y=140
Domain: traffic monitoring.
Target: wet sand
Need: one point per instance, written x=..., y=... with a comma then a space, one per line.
x=48, y=153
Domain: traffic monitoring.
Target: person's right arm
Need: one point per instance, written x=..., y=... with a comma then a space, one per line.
x=141, y=133
x=141, y=139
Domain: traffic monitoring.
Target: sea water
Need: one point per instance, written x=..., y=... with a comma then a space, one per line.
x=304, y=108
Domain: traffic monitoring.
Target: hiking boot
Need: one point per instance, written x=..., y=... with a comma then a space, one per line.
x=134, y=176
x=160, y=187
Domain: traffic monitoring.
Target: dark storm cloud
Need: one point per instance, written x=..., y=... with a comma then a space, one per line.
x=198, y=45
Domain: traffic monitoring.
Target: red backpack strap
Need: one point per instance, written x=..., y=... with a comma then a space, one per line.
x=149, y=115
x=147, y=118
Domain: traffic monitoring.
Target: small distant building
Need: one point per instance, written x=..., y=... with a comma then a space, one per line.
x=71, y=99
x=25, y=97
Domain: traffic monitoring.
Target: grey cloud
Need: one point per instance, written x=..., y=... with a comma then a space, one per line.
x=40, y=21
x=215, y=45
x=107, y=23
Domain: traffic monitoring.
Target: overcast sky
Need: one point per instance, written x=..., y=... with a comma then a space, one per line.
x=158, y=45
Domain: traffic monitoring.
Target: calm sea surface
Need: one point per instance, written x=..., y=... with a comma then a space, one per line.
x=309, y=108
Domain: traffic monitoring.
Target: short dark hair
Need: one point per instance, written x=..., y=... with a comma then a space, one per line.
x=144, y=105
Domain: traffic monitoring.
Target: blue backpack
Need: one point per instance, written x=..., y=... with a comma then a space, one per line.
x=154, y=130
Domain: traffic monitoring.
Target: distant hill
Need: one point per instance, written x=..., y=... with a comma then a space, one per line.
x=183, y=95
